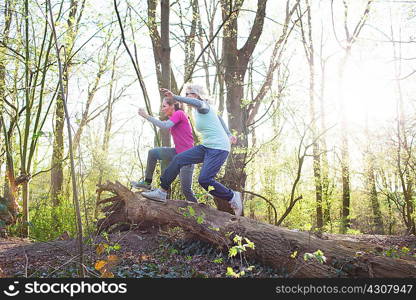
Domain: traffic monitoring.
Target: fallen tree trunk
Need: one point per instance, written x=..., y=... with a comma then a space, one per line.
x=274, y=246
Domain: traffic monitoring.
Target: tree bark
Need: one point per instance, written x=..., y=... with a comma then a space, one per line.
x=345, y=168
x=274, y=246
x=57, y=177
x=404, y=148
x=9, y=202
x=234, y=66
x=166, y=74
x=377, y=219
x=310, y=56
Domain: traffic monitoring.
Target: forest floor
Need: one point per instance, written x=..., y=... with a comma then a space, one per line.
x=152, y=253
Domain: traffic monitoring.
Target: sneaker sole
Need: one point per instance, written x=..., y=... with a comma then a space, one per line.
x=154, y=199
x=141, y=187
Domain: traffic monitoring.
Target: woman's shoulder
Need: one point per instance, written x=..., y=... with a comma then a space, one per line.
x=180, y=114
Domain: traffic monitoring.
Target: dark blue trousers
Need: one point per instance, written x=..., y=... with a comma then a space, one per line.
x=212, y=160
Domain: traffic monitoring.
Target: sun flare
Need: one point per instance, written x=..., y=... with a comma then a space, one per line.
x=369, y=94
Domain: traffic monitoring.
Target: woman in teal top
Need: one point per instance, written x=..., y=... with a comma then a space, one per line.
x=212, y=153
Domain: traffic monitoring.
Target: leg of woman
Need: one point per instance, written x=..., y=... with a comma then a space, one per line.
x=186, y=174
x=213, y=161
x=155, y=154
x=191, y=156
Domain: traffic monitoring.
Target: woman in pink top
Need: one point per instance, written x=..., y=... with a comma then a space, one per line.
x=181, y=131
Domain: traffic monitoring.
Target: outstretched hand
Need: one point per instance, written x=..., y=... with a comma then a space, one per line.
x=168, y=94
x=143, y=113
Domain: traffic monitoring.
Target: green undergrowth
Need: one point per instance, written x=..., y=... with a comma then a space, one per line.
x=170, y=258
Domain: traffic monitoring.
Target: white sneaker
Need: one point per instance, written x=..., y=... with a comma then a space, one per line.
x=140, y=185
x=156, y=195
x=236, y=204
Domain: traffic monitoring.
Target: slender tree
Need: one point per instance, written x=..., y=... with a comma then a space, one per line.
x=235, y=63
x=308, y=46
x=76, y=8
x=350, y=39
x=403, y=146
x=71, y=155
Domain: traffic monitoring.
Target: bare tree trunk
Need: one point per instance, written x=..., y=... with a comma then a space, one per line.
x=235, y=63
x=375, y=205
x=9, y=201
x=377, y=219
x=107, y=126
x=345, y=169
x=324, y=149
x=165, y=64
x=71, y=156
x=57, y=176
x=404, y=151
x=190, y=40
x=24, y=169
x=309, y=51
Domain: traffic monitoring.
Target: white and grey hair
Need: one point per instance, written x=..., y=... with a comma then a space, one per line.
x=196, y=89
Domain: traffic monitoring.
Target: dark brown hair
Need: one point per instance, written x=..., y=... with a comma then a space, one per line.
x=177, y=105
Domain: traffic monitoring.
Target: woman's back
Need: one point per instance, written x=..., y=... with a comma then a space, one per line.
x=181, y=132
x=212, y=131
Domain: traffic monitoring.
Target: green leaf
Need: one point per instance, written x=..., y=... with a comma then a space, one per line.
x=237, y=239
x=232, y=252
x=307, y=256
x=200, y=219
x=191, y=211
x=405, y=250
x=230, y=272
x=218, y=260
x=249, y=244
x=228, y=234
